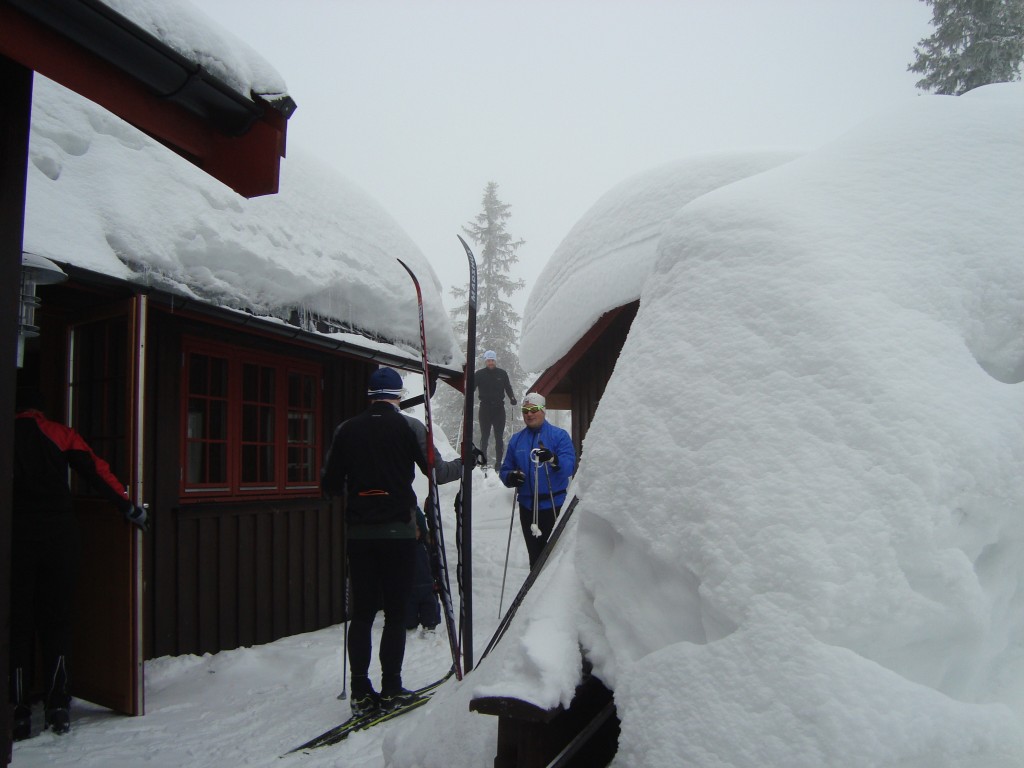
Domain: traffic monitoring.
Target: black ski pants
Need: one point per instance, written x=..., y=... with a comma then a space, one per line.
x=546, y=523
x=44, y=568
x=492, y=416
x=381, y=573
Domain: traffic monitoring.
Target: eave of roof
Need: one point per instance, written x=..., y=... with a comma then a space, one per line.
x=552, y=379
x=267, y=327
x=87, y=47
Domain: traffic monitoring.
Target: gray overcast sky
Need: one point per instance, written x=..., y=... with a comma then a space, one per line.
x=422, y=103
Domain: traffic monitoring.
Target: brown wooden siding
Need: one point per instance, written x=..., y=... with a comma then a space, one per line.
x=218, y=575
x=227, y=574
x=250, y=574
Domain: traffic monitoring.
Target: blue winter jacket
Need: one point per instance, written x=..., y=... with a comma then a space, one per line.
x=517, y=456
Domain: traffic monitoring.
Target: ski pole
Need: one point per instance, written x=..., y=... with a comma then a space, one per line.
x=344, y=653
x=535, y=528
x=551, y=493
x=344, y=666
x=504, y=573
x=347, y=608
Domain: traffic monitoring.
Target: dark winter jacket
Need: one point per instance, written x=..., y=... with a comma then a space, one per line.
x=551, y=482
x=492, y=385
x=43, y=452
x=372, y=463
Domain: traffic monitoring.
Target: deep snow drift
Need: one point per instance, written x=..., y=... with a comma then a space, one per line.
x=800, y=539
x=612, y=248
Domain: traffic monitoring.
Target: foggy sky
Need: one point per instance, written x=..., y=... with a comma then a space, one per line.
x=423, y=103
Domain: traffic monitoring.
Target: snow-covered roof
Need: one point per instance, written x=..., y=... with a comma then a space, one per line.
x=609, y=253
x=103, y=196
x=800, y=539
x=200, y=39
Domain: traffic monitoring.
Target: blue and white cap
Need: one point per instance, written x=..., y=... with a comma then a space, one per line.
x=385, y=384
x=489, y=355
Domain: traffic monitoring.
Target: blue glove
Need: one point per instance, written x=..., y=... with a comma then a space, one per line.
x=136, y=515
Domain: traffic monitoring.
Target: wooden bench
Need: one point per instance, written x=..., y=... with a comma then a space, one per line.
x=583, y=736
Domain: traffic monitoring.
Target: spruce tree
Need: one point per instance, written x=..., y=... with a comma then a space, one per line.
x=497, y=323
x=976, y=42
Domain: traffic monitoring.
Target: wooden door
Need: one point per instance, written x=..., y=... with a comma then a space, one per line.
x=105, y=386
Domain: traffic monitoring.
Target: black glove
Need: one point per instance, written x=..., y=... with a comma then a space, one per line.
x=515, y=479
x=479, y=457
x=543, y=454
x=513, y=401
x=136, y=515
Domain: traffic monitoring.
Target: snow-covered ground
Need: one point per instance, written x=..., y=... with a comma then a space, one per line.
x=248, y=706
x=800, y=539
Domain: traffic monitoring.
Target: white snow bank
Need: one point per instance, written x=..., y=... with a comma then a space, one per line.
x=103, y=196
x=729, y=709
x=800, y=539
x=604, y=260
x=836, y=484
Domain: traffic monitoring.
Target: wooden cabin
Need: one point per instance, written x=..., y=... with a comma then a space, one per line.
x=219, y=421
x=216, y=418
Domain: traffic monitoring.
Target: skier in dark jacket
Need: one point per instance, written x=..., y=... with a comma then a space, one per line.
x=44, y=555
x=540, y=462
x=492, y=384
x=372, y=463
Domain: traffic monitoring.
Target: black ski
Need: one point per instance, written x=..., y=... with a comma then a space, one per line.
x=464, y=498
x=341, y=731
x=438, y=558
x=503, y=625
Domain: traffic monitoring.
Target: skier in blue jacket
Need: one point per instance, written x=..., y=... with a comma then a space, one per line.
x=539, y=461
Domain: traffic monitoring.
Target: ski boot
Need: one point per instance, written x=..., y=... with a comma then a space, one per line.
x=392, y=699
x=365, y=700
x=58, y=720
x=22, y=727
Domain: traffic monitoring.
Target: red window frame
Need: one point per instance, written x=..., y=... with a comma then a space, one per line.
x=250, y=424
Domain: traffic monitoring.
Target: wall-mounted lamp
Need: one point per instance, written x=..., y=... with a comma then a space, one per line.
x=35, y=270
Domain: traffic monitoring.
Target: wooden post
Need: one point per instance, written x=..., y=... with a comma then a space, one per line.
x=16, y=86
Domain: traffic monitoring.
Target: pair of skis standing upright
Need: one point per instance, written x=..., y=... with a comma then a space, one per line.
x=464, y=498
x=461, y=653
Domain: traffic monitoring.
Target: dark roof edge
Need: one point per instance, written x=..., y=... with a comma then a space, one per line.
x=179, y=304
x=168, y=74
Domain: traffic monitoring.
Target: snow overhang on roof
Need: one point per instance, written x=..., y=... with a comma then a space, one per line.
x=608, y=255
x=88, y=47
x=349, y=344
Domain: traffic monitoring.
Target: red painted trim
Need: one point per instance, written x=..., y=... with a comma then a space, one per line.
x=236, y=490
x=249, y=164
x=548, y=381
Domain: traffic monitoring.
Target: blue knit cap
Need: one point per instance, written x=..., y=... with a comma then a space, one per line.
x=385, y=384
